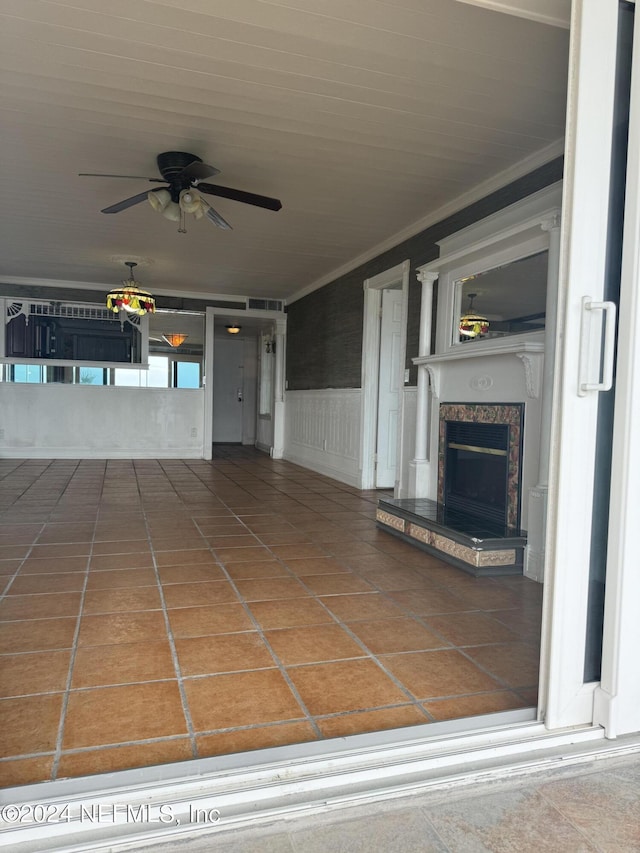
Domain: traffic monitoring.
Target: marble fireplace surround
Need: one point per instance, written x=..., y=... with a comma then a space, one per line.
x=512, y=416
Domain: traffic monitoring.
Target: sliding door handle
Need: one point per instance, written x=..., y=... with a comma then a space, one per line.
x=596, y=359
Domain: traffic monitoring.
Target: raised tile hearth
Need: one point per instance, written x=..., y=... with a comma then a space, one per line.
x=474, y=545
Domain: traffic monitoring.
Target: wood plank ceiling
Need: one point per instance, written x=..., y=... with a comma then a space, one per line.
x=362, y=116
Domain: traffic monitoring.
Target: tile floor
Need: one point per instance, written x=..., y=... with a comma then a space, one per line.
x=160, y=610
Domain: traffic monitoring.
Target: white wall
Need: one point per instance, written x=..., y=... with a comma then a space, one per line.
x=80, y=421
x=323, y=432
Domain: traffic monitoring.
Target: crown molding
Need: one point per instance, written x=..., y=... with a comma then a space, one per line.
x=497, y=182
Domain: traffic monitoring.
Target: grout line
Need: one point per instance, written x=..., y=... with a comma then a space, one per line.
x=74, y=649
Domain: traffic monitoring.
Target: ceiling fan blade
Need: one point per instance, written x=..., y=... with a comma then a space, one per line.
x=215, y=217
x=127, y=202
x=241, y=195
x=198, y=171
x=133, y=177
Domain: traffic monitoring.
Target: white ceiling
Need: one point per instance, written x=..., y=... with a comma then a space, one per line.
x=363, y=116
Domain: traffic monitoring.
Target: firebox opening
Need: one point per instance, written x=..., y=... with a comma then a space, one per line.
x=476, y=470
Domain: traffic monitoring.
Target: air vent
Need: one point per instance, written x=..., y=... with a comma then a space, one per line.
x=265, y=304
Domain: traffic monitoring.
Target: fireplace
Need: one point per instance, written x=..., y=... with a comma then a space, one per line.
x=480, y=462
x=475, y=469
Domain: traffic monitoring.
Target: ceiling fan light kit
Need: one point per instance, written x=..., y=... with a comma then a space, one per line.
x=182, y=173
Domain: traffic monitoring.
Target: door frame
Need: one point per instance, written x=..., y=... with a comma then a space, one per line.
x=373, y=287
x=275, y=319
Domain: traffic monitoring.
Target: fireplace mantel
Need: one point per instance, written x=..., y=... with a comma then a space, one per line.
x=530, y=353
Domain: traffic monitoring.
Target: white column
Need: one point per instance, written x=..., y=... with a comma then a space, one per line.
x=419, y=466
x=277, y=450
x=538, y=495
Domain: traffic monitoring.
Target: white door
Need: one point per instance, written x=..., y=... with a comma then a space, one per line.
x=228, y=383
x=389, y=388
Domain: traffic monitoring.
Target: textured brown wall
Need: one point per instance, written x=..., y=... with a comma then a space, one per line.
x=324, y=329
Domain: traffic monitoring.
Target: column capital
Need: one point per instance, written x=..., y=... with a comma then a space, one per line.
x=427, y=276
x=551, y=222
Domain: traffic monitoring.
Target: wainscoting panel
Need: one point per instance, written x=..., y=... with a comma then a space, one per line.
x=323, y=432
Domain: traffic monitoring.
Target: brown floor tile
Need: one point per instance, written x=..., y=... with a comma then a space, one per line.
x=107, y=562
x=353, y=685
x=209, y=655
x=115, y=600
x=256, y=569
x=29, y=584
x=194, y=594
x=191, y=574
x=207, y=620
x=114, y=534
x=429, y=601
x=185, y=557
x=287, y=613
x=120, y=578
x=125, y=627
x=44, y=565
x=336, y=584
x=48, y=605
x=257, y=552
x=66, y=532
x=298, y=552
x=516, y=664
x=35, y=672
x=117, y=715
x=168, y=542
x=110, y=759
x=29, y=724
x=295, y=537
x=241, y=699
x=9, y=567
x=18, y=534
x=312, y=644
x=371, y=721
x=355, y=548
x=14, y=552
x=470, y=628
x=25, y=771
x=384, y=636
x=35, y=635
x=438, y=673
x=270, y=588
x=350, y=608
x=246, y=540
x=259, y=737
x=488, y=596
x=394, y=579
x=122, y=663
x=121, y=546
x=472, y=706
x=315, y=566
x=68, y=549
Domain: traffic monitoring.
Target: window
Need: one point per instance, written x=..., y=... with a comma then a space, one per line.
x=157, y=376
x=186, y=374
x=27, y=373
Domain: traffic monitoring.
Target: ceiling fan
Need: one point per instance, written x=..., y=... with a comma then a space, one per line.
x=183, y=175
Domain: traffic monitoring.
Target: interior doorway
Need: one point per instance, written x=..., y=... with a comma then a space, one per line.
x=384, y=344
x=228, y=390
x=389, y=386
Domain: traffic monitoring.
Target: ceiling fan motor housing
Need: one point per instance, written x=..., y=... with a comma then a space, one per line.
x=171, y=165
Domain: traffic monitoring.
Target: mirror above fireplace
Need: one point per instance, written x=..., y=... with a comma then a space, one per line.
x=502, y=301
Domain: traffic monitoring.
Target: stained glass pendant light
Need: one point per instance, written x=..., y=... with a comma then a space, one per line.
x=130, y=297
x=176, y=339
x=473, y=324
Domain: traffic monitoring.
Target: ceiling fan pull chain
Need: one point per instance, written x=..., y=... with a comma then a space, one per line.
x=182, y=229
